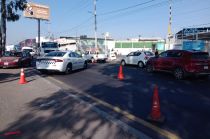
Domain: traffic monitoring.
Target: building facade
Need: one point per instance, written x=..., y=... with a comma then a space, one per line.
x=148, y=44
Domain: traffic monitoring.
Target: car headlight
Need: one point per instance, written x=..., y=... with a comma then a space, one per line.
x=16, y=60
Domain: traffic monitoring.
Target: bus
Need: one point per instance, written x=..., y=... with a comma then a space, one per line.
x=47, y=47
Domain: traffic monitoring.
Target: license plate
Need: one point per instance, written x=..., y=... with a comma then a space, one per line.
x=206, y=67
x=6, y=63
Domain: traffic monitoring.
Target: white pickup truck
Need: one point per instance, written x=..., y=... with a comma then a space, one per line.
x=93, y=56
x=29, y=49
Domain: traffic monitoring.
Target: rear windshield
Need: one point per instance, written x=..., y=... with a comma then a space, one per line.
x=56, y=54
x=49, y=45
x=200, y=56
x=28, y=50
x=148, y=53
x=12, y=54
x=47, y=51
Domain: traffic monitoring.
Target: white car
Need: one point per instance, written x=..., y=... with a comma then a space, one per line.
x=138, y=58
x=61, y=61
x=94, y=56
x=29, y=49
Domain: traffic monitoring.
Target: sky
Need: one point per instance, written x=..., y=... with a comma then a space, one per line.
x=146, y=18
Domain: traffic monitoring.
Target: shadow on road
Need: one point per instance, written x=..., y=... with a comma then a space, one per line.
x=61, y=116
x=185, y=103
x=9, y=75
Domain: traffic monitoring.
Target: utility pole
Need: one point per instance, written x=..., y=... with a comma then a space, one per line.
x=95, y=23
x=169, y=25
x=38, y=33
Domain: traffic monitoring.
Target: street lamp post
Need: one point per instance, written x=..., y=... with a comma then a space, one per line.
x=95, y=23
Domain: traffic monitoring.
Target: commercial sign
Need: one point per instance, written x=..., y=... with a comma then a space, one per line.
x=37, y=11
x=194, y=45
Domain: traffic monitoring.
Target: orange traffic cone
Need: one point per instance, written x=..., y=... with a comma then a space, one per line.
x=155, y=114
x=120, y=74
x=22, y=77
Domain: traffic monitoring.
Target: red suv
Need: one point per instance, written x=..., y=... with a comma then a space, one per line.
x=181, y=63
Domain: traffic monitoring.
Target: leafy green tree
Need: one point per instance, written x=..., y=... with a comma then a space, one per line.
x=9, y=12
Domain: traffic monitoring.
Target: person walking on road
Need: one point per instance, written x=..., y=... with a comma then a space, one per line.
x=156, y=52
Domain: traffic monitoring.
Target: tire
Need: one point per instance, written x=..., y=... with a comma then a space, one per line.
x=149, y=68
x=85, y=65
x=43, y=71
x=179, y=74
x=68, y=69
x=29, y=64
x=123, y=63
x=204, y=77
x=140, y=64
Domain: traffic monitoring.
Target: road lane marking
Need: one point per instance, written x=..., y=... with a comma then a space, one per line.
x=110, y=118
x=132, y=117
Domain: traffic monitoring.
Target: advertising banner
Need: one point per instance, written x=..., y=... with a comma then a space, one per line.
x=37, y=11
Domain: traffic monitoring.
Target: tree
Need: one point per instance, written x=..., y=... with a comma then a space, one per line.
x=9, y=12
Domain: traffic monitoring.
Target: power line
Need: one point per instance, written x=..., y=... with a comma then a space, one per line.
x=126, y=8
x=193, y=11
x=76, y=27
x=77, y=8
x=126, y=13
x=197, y=25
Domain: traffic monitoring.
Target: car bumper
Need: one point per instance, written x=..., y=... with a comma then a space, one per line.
x=45, y=67
x=101, y=59
x=9, y=64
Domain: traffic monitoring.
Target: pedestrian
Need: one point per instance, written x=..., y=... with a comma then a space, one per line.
x=156, y=52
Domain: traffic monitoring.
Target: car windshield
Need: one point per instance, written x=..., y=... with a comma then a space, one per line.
x=200, y=56
x=12, y=54
x=28, y=50
x=56, y=54
x=49, y=45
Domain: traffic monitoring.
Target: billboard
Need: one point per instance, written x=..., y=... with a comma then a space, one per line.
x=37, y=11
x=194, y=45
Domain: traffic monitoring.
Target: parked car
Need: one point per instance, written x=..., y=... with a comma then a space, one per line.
x=30, y=50
x=181, y=63
x=15, y=59
x=138, y=58
x=60, y=61
x=95, y=56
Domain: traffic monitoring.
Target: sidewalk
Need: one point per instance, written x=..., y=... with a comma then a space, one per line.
x=41, y=110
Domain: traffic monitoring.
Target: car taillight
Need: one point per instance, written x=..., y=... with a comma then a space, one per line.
x=58, y=60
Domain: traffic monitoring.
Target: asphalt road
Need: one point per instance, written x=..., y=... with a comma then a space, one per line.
x=185, y=103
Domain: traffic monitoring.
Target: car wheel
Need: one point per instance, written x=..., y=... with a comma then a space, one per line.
x=204, y=77
x=68, y=69
x=29, y=64
x=123, y=63
x=149, y=68
x=43, y=71
x=140, y=64
x=178, y=73
x=85, y=65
